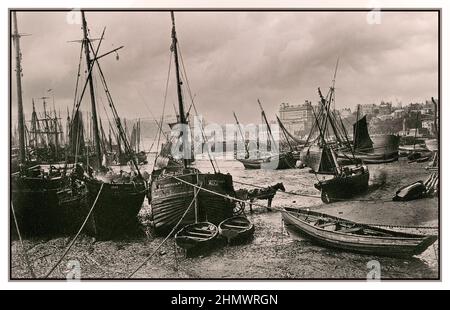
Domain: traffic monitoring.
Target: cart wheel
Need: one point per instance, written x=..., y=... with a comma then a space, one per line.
x=326, y=197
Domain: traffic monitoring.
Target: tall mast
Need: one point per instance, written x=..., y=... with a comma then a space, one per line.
x=242, y=134
x=271, y=138
x=16, y=40
x=180, y=96
x=34, y=120
x=96, y=135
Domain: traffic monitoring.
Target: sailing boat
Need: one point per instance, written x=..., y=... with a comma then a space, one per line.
x=170, y=193
x=278, y=161
x=347, y=180
x=121, y=197
x=375, y=150
x=41, y=197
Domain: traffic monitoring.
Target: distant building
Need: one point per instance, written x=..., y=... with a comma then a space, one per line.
x=298, y=119
x=368, y=109
x=429, y=125
x=385, y=108
x=385, y=117
x=399, y=113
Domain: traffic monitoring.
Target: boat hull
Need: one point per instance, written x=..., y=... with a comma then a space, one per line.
x=115, y=213
x=35, y=204
x=391, y=244
x=342, y=187
x=237, y=229
x=169, y=198
x=196, y=238
x=276, y=162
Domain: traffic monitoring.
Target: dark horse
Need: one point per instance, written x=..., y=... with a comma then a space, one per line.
x=259, y=194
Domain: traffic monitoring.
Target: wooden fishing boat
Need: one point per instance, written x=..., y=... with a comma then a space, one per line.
x=280, y=161
x=169, y=197
x=175, y=184
x=42, y=196
x=117, y=206
x=346, y=235
x=347, y=183
x=410, y=192
x=120, y=199
x=379, y=149
x=35, y=202
x=236, y=229
x=196, y=237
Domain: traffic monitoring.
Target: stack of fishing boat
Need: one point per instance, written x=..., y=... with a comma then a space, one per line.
x=276, y=159
x=43, y=197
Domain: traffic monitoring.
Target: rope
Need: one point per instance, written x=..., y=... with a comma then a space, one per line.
x=163, y=111
x=76, y=236
x=316, y=196
x=224, y=196
x=25, y=256
x=165, y=239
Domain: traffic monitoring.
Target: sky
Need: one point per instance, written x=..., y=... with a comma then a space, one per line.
x=232, y=59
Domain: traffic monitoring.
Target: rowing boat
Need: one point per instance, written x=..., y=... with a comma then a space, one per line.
x=236, y=229
x=197, y=236
x=346, y=235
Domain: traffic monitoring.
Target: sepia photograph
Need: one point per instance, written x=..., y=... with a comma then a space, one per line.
x=224, y=144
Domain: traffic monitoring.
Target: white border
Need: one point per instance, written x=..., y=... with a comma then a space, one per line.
x=205, y=285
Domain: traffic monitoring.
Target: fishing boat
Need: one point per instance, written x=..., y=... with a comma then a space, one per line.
x=346, y=235
x=117, y=199
x=277, y=161
x=175, y=183
x=345, y=184
x=347, y=180
x=197, y=237
x=236, y=229
x=41, y=195
x=274, y=162
x=379, y=150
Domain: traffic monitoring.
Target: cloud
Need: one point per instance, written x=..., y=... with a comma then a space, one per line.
x=233, y=58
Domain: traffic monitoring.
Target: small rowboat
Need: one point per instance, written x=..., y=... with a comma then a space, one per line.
x=342, y=234
x=236, y=229
x=197, y=236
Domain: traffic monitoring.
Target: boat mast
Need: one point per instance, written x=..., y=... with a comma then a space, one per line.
x=16, y=40
x=267, y=124
x=242, y=134
x=180, y=96
x=96, y=136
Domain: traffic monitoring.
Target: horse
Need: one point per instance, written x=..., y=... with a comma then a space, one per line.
x=267, y=193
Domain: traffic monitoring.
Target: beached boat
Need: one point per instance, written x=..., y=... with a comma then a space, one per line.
x=345, y=184
x=280, y=161
x=376, y=150
x=172, y=190
x=236, y=229
x=43, y=197
x=197, y=237
x=346, y=235
x=410, y=192
x=120, y=199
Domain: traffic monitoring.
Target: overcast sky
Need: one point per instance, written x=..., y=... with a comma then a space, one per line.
x=233, y=58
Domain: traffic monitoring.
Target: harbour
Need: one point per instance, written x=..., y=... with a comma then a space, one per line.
x=336, y=199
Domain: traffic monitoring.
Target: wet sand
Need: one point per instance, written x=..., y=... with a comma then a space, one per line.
x=273, y=253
